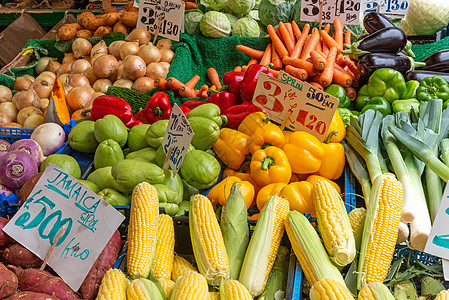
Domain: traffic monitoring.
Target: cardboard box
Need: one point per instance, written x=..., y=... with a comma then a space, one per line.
x=51, y=35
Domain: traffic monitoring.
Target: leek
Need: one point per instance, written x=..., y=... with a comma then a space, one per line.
x=403, y=233
x=358, y=168
x=444, y=146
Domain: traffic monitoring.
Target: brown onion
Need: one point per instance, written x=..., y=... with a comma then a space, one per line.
x=44, y=102
x=97, y=94
x=129, y=48
x=125, y=83
x=79, y=66
x=53, y=67
x=143, y=84
x=47, y=75
x=68, y=58
x=101, y=85
x=150, y=53
x=42, y=88
x=134, y=67
x=79, y=97
x=164, y=44
x=165, y=65
x=4, y=119
x=64, y=69
x=105, y=66
x=10, y=109
x=140, y=35
x=22, y=83
x=33, y=121
x=42, y=64
x=93, y=58
x=99, y=48
x=27, y=112
x=5, y=94
x=64, y=78
x=114, y=48
x=78, y=80
x=90, y=75
x=167, y=55
x=120, y=73
x=81, y=48
x=155, y=70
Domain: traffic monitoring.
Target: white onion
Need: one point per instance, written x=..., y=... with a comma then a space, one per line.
x=140, y=35
x=42, y=64
x=105, y=66
x=64, y=69
x=167, y=55
x=143, y=84
x=81, y=48
x=96, y=95
x=53, y=67
x=99, y=48
x=78, y=80
x=125, y=83
x=114, y=48
x=128, y=48
x=134, y=67
x=33, y=121
x=5, y=94
x=9, y=109
x=79, y=66
x=150, y=53
x=42, y=88
x=24, y=113
x=101, y=85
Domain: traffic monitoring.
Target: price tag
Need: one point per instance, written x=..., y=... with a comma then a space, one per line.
x=178, y=136
x=390, y=7
x=347, y=11
x=136, y=3
x=307, y=108
x=59, y=200
x=168, y=13
x=446, y=269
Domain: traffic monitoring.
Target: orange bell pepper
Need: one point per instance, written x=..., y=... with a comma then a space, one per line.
x=220, y=192
x=263, y=137
x=254, y=217
x=304, y=152
x=299, y=195
x=270, y=165
x=314, y=178
x=243, y=176
x=267, y=191
x=333, y=161
x=231, y=147
x=253, y=121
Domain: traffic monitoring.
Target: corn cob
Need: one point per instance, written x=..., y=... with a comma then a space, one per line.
x=330, y=289
x=143, y=289
x=443, y=295
x=167, y=285
x=357, y=219
x=333, y=223
x=181, y=267
x=192, y=286
x=380, y=231
x=214, y=295
x=375, y=291
x=232, y=289
x=207, y=241
x=113, y=286
x=165, y=246
x=309, y=250
x=277, y=281
x=264, y=244
x=142, y=230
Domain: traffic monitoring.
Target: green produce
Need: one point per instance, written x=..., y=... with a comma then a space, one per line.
x=206, y=132
x=275, y=11
x=379, y=104
x=111, y=127
x=200, y=169
x=82, y=137
x=426, y=17
x=340, y=93
x=218, y=5
x=277, y=280
x=65, y=162
x=136, y=137
x=232, y=19
x=192, y=20
x=107, y=154
x=102, y=178
x=175, y=182
x=241, y=7
x=90, y=185
x=183, y=207
x=126, y=152
x=209, y=111
x=435, y=87
x=189, y=191
x=411, y=87
x=168, y=198
x=155, y=133
x=362, y=98
x=160, y=155
x=345, y=115
x=113, y=197
x=215, y=24
x=404, y=290
x=146, y=154
x=405, y=105
x=431, y=286
x=128, y=173
x=246, y=27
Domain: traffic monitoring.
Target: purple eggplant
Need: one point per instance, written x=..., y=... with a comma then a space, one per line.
x=373, y=61
x=420, y=75
x=374, y=21
x=438, y=57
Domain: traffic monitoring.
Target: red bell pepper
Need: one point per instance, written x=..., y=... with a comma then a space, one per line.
x=224, y=100
x=232, y=81
x=111, y=105
x=157, y=108
x=185, y=109
x=249, y=82
x=237, y=113
x=193, y=103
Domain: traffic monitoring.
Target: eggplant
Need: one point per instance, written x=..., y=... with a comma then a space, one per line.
x=438, y=57
x=374, y=21
x=373, y=61
x=439, y=67
x=420, y=75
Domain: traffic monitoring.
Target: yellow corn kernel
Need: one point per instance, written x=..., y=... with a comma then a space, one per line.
x=142, y=230
x=207, y=241
x=380, y=230
x=330, y=289
x=181, y=267
x=167, y=285
x=375, y=291
x=357, y=218
x=366, y=293
x=443, y=295
x=165, y=247
x=192, y=286
x=232, y=289
x=113, y=286
x=214, y=295
x=333, y=223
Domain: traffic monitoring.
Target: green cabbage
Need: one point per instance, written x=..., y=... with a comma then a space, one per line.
x=426, y=17
x=192, y=20
x=275, y=11
x=246, y=27
x=215, y=24
x=232, y=19
x=241, y=7
x=217, y=5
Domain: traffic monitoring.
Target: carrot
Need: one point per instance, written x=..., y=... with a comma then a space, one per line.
x=276, y=41
x=328, y=72
x=297, y=72
x=315, y=78
x=311, y=43
x=250, y=51
x=187, y=90
x=318, y=46
x=327, y=28
x=300, y=42
x=288, y=42
x=252, y=61
x=341, y=78
x=324, y=47
x=328, y=40
x=302, y=64
x=296, y=30
x=352, y=66
x=266, y=58
x=213, y=77
x=340, y=60
x=319, y=62
x=275, y=59
x=190, y=5
x=338, y=34
x=212, y=87
x=289, y=28
x=203, y=88
x=274, y=72
x=351, y=93
x=348, y=35
x=238, y=69
x=317, y=85
x=174, y=84
x=244, y=68
x=161, y=83
x=278, y=33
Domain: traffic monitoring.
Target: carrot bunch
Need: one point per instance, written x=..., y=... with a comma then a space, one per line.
x=311, y=54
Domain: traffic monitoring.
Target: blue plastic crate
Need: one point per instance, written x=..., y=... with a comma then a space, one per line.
x=14, y=134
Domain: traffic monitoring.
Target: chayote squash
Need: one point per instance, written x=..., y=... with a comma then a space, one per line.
x=209, y=111
x=107, y=154
x=136, y=137
x=167, y=198
x=147, y=154
x=175, y=182
x=206, y=132
x=82, y=137
x=90, y=185
x=200, y=169
x=102, y=178
x=111, y=127
x=155, y=133
x=113, y=197
x=160, y=155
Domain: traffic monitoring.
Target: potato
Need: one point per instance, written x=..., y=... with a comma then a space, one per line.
x=8, y=282
x=18, y=255
x=120, y=27
x=129, y=18
x=111, y=9
x=102, y=30
x=110, y=19
x=67, y=32
x=93, y=24
x=84, y=18
x=84, y=33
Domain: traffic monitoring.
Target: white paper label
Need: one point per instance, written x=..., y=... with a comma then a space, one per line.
x=347, y=11
x=389, y=7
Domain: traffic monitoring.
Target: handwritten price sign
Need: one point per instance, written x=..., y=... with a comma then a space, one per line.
x=178, y=136
x=389, y=7
x=305, y=107
x=59, y=200
x=168, y=13
x=347, y=11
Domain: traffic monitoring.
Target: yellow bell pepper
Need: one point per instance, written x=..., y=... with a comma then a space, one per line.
x=337, y=125
x=269, y=135
x=304, y=152
x=231, y=147
x=220, y=192
x=253, y=121
x=333, y=161
x=287, y=135
x=314, y=178
x=267, y=191
x=270, y=165
x=299, y=195
x=243, y=176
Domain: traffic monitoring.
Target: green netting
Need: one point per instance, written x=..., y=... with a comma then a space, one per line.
x=424, y=50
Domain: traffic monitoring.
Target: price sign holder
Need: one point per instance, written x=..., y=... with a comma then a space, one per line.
x=170, y=12
x=347, y=11
x=177, y=138
x=296, y=104
x=438, y=241
x=389, y=7
x=56, y=201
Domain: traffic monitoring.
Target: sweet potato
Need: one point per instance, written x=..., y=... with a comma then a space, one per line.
x=30, y=296
x=20, y=256
x=38, y=281
x=26, y=189
x=104, y=262
x=5, y=239
x=8, y=282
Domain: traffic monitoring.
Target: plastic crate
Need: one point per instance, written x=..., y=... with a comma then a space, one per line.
x=14, y=134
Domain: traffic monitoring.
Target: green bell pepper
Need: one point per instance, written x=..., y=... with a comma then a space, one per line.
x=345, y=115
x=146, y=154
x=209, y=111
x=167, y=198
x=362, y=98
x=387, y=83
x=411, y=87
x=155, y=133
x=340, y=93
x=435, y=87
x=200, y=169
x=378, y=103
x=107, y=154
x=405, y=105
x=113, y=197
x=175, y=182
